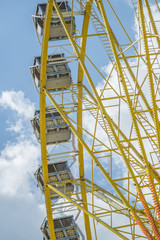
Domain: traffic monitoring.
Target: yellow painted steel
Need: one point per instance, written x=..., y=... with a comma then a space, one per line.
x=87, y=212
x=121, y=75
x=145, y=101
x=157, y=5
x=152, y=22
x=126, y=140
x=102, y=107
x=123, y=146
x=43, y=118
x=149, y=67
x=132, y=75
x=98, y=164
x=79, y=113
x=153, y=99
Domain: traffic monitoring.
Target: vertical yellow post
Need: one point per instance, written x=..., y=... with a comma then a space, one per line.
x=79, y=114
x=152, y=22
x=43, y=117
x=137, y=130
x=149, y=66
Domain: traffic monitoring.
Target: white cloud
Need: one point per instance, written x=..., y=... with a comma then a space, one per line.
x=125, y=123
x=17, y=161
x=19, y=157
x=18, y=103
x=15, y=127
x=22, y=207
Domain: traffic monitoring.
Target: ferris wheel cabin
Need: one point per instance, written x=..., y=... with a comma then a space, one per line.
x=65, y=228
x=58, y=72
x=57, y=130
x=57, y=31
x=57, y=173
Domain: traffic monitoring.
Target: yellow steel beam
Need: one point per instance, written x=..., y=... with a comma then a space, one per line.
x=127, y=64
x=149, y=66
x=157, y=5
x=87, y=212
x=89, y=35
x=140, y=92
x=116, y=127
x=79, y=113
x=106, y=175
x=114, y=124
x=153, y=99
x=152, y=22
x=121, y=133
x=104, y=112
x=124, y=137
x=121, y=75
x=133, y=76
x=131, y=43
x=43, y=117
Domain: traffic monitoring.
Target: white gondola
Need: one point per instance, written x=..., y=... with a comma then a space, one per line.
x=58, y=73
x=57, y=31
x=65, y=229
x=57, y=172
x=57, y=131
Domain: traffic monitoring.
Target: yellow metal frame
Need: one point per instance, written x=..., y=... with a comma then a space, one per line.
x=79, y=112
x=99, y=165
x=148, y=170
x=86, y=211
x=43, y=118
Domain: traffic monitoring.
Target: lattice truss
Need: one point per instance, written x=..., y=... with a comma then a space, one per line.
x=112, y=113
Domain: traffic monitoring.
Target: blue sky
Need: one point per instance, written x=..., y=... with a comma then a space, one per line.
x=20, y=200
x=18, y=43
x=21, y=204
x=18, y=47
x=22, y=208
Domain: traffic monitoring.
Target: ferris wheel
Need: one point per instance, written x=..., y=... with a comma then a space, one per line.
x=99, y=129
